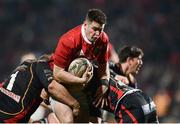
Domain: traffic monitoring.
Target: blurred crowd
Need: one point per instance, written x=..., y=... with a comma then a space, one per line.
x=35, y=26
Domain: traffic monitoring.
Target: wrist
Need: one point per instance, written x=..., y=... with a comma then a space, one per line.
x=75, y=105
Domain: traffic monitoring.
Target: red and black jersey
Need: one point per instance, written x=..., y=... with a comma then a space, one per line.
x=20, y=94
x=128, y=104
x=117, y=91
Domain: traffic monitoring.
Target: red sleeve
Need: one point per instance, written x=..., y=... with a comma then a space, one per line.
x=105, y=55
x=110, y=47
x=64, y=52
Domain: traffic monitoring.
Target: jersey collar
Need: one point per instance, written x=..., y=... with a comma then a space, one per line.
x=84, y=35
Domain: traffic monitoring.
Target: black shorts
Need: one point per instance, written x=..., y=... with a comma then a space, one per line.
x=136, y=108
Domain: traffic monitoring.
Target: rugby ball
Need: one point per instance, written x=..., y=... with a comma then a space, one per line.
x=79, y=66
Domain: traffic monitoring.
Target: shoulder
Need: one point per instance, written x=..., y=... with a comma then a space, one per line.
x=72, y=33
x=72, y=37
x=42, y=65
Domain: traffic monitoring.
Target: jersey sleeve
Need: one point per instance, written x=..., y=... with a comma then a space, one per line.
x=104, y=57
x=44, y=74
x=110, y=47
x=64, y=52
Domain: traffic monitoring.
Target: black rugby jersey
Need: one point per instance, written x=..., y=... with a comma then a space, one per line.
x=20, y=94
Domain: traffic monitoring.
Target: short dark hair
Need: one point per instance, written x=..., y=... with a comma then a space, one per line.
x=96, y=15
x=129, y=51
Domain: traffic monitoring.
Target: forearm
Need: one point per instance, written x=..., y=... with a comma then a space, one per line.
x=60, y=93
x=66, y=77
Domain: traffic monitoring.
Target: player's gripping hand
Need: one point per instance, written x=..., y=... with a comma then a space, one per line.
x=101, y=99
x=76, y=108
x=87, y=75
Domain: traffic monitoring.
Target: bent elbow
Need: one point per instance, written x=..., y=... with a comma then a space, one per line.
x=52, y=87
x=57, y=72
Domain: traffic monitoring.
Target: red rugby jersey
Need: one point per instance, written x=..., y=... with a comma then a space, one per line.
x=74, y=43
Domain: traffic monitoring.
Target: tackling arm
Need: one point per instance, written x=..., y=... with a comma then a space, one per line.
x=60, y=93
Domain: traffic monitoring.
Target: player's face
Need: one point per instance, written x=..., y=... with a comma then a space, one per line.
x=136, y=64
x=93, y=30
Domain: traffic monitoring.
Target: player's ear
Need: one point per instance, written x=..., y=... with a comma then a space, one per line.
x=85, y=24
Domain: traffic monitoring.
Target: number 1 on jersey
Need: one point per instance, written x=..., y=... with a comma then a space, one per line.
x=12, y=80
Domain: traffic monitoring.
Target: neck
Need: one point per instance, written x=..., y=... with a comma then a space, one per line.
x=124, y=68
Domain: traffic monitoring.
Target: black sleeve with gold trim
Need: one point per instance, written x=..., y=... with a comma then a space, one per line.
x=44, y=73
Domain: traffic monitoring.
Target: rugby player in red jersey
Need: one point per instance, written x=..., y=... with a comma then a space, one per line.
x=88, y=40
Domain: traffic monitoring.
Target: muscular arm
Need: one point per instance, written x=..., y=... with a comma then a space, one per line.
x=60, y=93
x=61, y=75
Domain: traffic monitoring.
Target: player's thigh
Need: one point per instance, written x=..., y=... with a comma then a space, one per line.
x=62, y=111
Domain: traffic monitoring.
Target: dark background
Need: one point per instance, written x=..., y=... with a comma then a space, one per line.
x=153, y=25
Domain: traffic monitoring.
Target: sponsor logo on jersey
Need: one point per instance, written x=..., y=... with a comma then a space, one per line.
x=10, y=94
